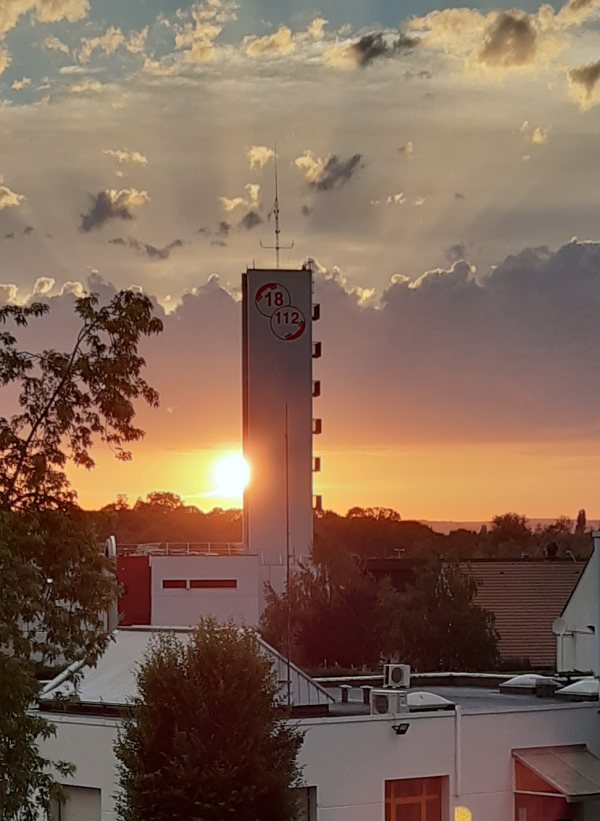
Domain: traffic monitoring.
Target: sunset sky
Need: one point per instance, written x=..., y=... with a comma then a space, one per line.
x=441, y=165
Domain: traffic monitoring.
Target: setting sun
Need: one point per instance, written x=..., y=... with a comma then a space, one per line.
x=231, y=475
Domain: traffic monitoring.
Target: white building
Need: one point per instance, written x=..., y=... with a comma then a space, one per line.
x=487, y=756
x=578, y=629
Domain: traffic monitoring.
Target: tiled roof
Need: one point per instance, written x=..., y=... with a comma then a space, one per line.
x=526, y=597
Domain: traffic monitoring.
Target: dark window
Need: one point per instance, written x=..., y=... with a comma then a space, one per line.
x=179, y=584
x=306, y=799
x=413, y=799
x=213, y=584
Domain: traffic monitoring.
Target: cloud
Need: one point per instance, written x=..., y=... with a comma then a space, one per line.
x=540, y=136
x=584, y=85
x=8, y=198
x=88, y=86
x=19, y=85
x=577, y=12
x=253, y=200
x=43, y=285
x=251, y=220
x=5, y=60
x=73, y=288
x=126, y=156
x=151, y=251
x=108, y=43
x=112, y=204
x=198, y=35
x=54, y=44
x=508, y=357
x=496, y=43
x=231, y=205
x=456, y=252
x=44, y=11
x=222, y=230
x=328, y=174
x=419, y=201
x=281, y=42
x=407, y=149
x=368, y=48
x=396, y=199
x=8, y=294
x=315, y=30
x=259, y=156
x=136, y=44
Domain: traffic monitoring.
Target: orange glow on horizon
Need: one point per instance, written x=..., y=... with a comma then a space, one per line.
x=469, y=482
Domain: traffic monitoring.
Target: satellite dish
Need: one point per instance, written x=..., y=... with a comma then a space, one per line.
x=559, y=626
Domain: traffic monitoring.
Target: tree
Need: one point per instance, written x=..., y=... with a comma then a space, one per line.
x=68, y=398
x=581, y=523
x=207, y=736
x=333, y=618
x=438, y=626
x=56, y=585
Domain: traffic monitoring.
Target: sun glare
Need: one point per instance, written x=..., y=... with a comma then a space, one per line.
x=231, y=475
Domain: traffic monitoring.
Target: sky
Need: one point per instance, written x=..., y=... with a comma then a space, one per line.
x=440, y=164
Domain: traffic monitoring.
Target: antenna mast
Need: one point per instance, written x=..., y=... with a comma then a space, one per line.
x=275, y=212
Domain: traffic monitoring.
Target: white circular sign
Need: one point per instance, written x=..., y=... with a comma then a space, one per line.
x=288, y=323
x=270, y=297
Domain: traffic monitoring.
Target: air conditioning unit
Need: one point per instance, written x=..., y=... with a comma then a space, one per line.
x=389, y=702
x=396, y=675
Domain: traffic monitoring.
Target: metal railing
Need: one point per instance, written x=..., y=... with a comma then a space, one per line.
x=183, y=549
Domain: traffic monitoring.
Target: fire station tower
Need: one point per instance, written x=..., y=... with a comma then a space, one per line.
x=278, y=424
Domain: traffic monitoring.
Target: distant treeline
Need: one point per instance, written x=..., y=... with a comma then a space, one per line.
x=362, y=533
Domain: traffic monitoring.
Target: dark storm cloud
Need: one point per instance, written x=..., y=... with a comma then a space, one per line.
x=459, y=196
x=28, y=230
x=251, y=220
x=456, y=252
x=586, y=77
x=378, y=44
x=151, y=251
x=111, y=204
x=511, y=41
x=222, y=230
x=306, y=211
x=336, y=172
x=510, y=357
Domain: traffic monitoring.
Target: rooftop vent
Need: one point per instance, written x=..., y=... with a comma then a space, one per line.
x=530, y=684
x=586, y=689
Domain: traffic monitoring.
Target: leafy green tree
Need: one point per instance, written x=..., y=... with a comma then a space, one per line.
x=334, y=617
x=438, y=625
x=56, y=584
x=68, y=398
x=207, y=736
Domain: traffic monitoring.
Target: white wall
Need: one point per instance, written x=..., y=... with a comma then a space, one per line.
x=87, y=742
x=576, y=649
x=348, y=759
x=176, y=607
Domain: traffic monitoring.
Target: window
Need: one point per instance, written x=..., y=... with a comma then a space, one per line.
x=307, y=803
x=213, y=584
x=83, y=804
x=174, y=584
x=413, y=799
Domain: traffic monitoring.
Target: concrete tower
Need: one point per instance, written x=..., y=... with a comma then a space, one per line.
x=278, y=423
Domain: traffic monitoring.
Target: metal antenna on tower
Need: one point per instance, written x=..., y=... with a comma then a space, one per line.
x=275, y=212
